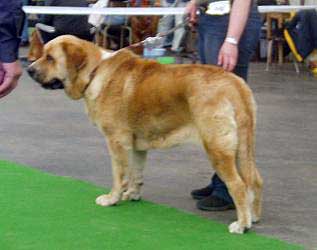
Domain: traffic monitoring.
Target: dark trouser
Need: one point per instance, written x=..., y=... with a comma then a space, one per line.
x=212, y=31
x=50, y=36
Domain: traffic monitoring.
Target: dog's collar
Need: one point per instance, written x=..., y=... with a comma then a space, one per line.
x=91, y=77
x=104, y=56
x=93, y=74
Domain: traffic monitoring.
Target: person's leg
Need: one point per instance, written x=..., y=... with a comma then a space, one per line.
x=165, y=23
x=212, y=45
x=219, y=189
x=247, y=48
x=180, y=32
x=242, y=67
x=25, y=31
x=208, y=46
x=200, y=46
x=248, y=43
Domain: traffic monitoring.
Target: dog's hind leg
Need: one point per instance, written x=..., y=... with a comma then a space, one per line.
x=257, y=202
x=248, y=171
x=119, y=161
x=220, y=138
x=135, y=175
x=247, y=165
x=225, y=166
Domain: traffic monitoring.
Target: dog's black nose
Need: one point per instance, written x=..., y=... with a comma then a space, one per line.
x=31, y=71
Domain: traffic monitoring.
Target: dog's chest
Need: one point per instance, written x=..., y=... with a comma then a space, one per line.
x=90, y=111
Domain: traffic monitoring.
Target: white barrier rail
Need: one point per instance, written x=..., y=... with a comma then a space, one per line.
x=285, y=8
x=149, y=11
x=126, y=11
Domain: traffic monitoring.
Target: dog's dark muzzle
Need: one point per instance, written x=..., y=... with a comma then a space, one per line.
x=53, y=84
x=31, y=71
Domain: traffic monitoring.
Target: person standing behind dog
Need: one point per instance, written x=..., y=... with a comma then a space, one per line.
x=10, y=69
x=228, y=36
x=76, y=25
x=169, y=21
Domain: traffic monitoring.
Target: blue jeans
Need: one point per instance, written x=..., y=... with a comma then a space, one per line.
x=25, y=31
x=212, y=32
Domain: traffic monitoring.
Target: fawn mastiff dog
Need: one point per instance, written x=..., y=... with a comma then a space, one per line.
x=139, y=104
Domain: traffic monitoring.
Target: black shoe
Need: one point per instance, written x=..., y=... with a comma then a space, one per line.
x=199, y=194
x=214, y=203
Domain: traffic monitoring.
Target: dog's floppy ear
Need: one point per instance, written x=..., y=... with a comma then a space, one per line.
x=76, y=56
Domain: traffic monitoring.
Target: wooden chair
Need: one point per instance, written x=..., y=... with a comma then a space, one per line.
x=279, y=19
x=273, y=36
x=121, y=33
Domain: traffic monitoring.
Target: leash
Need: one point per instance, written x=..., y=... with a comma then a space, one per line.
x=156, y=41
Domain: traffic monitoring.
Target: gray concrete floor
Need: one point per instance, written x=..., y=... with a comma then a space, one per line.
x=47, y=130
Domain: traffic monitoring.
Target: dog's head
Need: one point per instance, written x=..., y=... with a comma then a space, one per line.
x=65, y=59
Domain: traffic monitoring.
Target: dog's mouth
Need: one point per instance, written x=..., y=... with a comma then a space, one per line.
x=53, y=84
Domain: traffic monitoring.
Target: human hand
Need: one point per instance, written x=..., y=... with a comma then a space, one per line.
x=191, y=10
x=228, y=56
x=11, y=73
x=1, y=74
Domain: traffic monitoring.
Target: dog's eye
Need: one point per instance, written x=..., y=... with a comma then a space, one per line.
x=49, y=58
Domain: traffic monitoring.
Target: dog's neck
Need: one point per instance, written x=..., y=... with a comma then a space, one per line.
x=105, y=54
x=93, y=88
x=102, y=55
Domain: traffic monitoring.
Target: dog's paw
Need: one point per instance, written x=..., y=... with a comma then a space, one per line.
x=131, y=195
x=236, y=228
x=106, y=200
x=255, y=219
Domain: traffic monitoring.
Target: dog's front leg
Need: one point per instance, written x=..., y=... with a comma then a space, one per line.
x=119, y=160
x=135, y=175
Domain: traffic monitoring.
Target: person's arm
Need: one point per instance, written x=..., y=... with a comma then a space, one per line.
x=191, y=9
x=10, y=69
x=9, y=41
x=228, y=54
x=238, y=18
x=11, y=73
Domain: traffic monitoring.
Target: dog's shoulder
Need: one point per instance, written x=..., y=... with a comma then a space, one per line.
x=124, y=63
x=124, y=55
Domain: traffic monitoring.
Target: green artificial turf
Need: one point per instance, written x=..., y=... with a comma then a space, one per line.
x=40, y=211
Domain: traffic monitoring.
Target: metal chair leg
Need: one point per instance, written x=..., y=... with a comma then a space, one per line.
x=269, y=54
x=295, y=64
